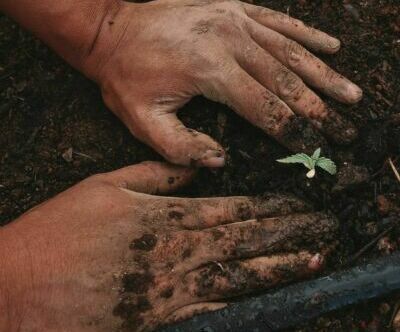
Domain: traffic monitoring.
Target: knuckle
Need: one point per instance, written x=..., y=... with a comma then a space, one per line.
x=330, y=75
x=240, y=209
x=330, y=82
x=318, y=109
x=281, y=19
x=294, y=53
x=213, y=62
x=264, y=11
x=299, y=24
x=276, y=113
x=175, y=246
x=289, y=85
x=201, y=27
x=230, y=24
x=224, y=27
x=175, y=212
x=224, y=6
x=271, y=104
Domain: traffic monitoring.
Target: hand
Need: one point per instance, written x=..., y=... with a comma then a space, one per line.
x=152, y=58
x=104, y=253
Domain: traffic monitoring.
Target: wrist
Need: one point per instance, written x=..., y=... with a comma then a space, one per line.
x=9, y=279
x=76, y=37
x=16, y=279
x=109, y=36
x=70, y=27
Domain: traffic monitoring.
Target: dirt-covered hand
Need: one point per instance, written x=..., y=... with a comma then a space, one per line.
x=152, y=58
x=106, y=253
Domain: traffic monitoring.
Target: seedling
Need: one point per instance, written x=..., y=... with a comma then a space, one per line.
x=311, y=162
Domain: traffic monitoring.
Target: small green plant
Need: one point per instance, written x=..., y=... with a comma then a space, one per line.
x=311, y=162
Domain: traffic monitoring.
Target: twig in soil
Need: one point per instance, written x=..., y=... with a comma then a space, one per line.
x=68, y=154
x=394, y=169
x=219, y=265
x=387, y=101
x=378, y=172
x=369, y=245
x=84, y=156
x=245, y=155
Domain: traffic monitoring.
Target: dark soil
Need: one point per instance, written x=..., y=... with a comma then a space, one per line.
x=47, y=108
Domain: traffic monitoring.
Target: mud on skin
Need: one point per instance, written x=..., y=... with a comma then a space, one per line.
x=158, y=285
x=290, y=234
x=368, y=48
x=146, y=242
x=300, y=135
x=232, y=280
x=130, y=309
x=137, y=283
x=273, y=205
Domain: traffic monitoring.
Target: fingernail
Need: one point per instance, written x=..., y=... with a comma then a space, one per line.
x=355, y=93
x=213, y=159
x=334, y=44
x=316, y=262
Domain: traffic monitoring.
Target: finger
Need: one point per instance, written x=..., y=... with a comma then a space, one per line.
x=201, y=213
x=295, y=29
x=151, y=177
x=314, y=72
x=289, y=87
x=224, y=280
x=267, y=236
x=192, y=310
x=180, y=145
x=262, y=108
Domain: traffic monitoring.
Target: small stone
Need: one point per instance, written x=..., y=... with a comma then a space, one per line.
x=68, y=155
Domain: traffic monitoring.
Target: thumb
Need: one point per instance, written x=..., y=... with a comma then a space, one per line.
x=151, y=177
x=164, y=132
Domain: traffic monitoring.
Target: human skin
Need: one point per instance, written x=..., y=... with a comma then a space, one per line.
x=149, y=59
x=107, y=255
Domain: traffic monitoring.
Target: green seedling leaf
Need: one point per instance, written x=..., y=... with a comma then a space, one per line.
x=316, y=154
x=299, y=158
x=311, y=162
x=327, y=165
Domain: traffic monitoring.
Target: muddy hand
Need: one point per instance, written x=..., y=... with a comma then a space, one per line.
x=150, y=59
x=106, y=254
